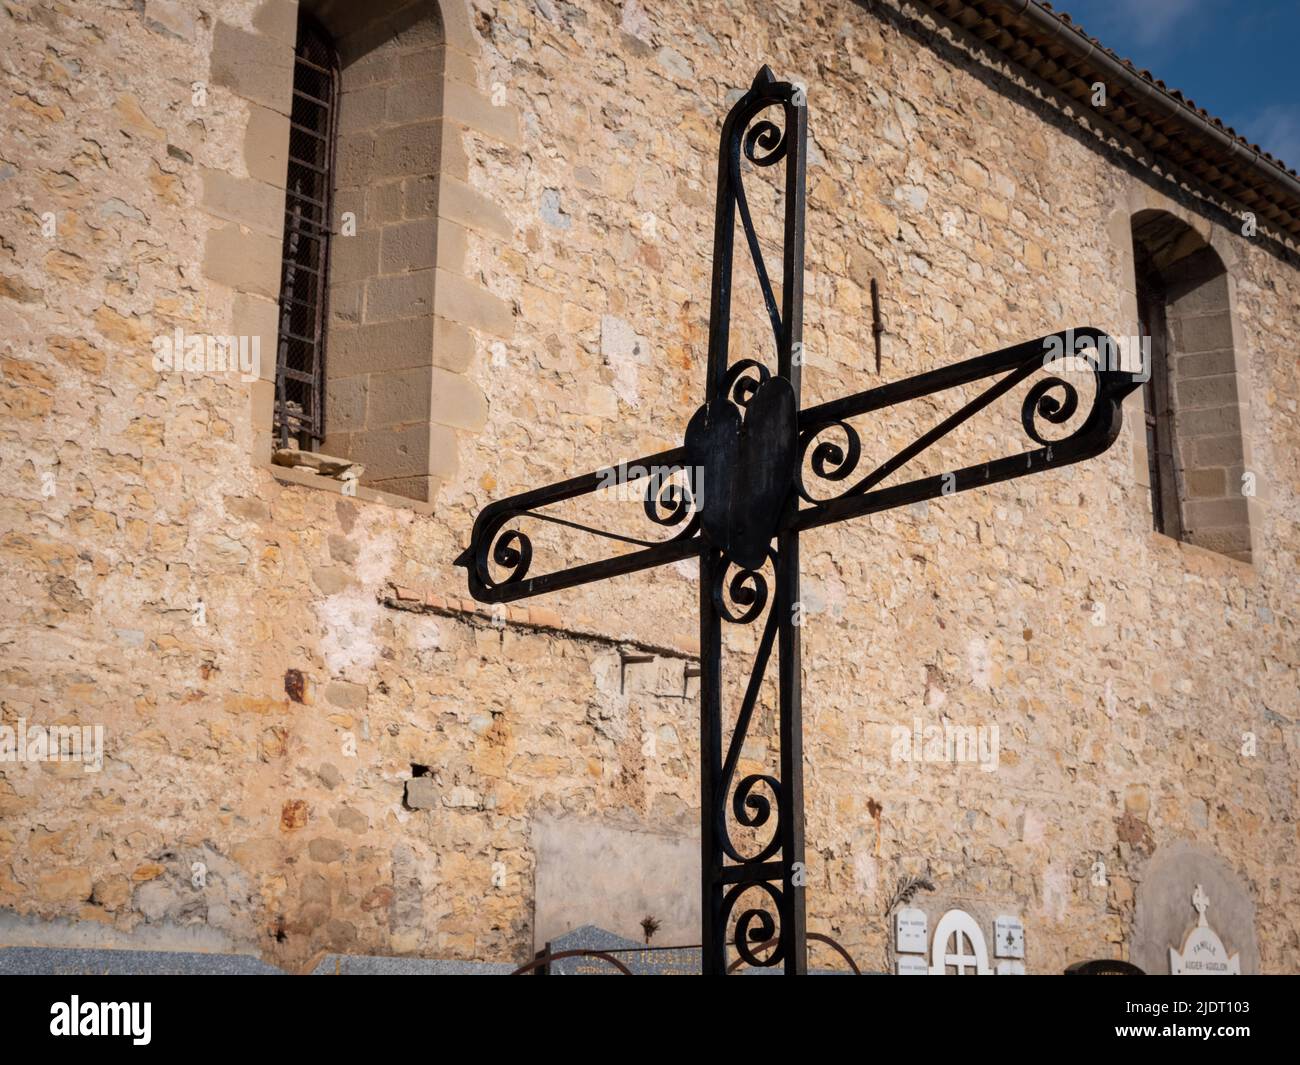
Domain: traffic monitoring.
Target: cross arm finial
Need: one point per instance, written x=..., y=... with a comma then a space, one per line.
x=500, y=555
x=1066, y=360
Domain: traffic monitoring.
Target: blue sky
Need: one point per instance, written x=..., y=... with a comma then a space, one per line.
x=1238, y=59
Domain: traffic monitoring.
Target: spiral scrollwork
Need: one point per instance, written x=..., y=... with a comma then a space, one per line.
x=752, y=809
x=508, y=548
x=743, y=379
x=765, y=143
x=747, y=589
x=1040, y=403
x=756, y=925
x=668, y=502
x=830, y=460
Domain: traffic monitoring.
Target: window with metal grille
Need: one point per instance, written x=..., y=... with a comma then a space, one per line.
x=1162, y=468
x=300, y=347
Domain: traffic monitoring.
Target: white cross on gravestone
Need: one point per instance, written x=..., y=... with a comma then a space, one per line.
x=1203, y=952
x=1201, y=901
x=961, y=959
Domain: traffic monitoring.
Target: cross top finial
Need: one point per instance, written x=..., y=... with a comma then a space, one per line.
x=1201, y=901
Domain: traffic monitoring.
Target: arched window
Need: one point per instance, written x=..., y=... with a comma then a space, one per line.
x=358, y=176
x=304, y=278
x=1196, y=454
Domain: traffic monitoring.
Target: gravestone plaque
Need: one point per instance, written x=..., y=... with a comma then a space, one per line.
x=1203, y=952
x=912, y=966
x=1008, y=937
x=910, y=931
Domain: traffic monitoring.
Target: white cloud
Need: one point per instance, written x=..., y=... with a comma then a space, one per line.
x=1154, y=21
x=1148, y=24
x=1276, y=129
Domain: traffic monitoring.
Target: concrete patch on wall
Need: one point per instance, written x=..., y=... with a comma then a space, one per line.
x=625, y=353
x=612, y=876
x=350, y=617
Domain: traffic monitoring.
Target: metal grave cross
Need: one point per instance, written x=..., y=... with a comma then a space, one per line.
x=738, y=484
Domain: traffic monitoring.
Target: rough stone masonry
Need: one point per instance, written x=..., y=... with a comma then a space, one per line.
x=313, y=743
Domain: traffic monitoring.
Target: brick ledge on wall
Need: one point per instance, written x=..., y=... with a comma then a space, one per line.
x=536, y=618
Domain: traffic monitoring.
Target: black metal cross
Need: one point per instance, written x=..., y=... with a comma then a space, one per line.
x=736, y=495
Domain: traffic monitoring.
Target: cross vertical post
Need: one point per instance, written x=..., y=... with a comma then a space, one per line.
x=733, y=513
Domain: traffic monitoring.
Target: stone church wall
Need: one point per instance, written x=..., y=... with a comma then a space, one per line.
x=313, y=742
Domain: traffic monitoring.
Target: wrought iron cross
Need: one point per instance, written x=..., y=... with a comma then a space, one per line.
x=736, y=495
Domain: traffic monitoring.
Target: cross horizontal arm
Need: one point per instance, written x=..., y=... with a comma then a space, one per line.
x=1052, y=399
x=667, y=504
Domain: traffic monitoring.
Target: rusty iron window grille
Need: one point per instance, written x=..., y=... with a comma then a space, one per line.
x=304, y=276
x=1162, y=469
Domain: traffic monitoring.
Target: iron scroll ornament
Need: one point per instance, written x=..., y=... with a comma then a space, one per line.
x=1053, y=399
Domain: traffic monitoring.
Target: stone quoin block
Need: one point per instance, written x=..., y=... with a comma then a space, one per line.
x=470, y=108
x=453, y=345
x=471, y=304
x=354, y=258
x=354, y=160
x=401, y=397
x=381, y=347
x=243, y=260
x=1217, y=450
x=419, y=99
x=397, y=296
x=383, y=203
x=1203, y=333
x=474, y=211
x=256, y=316
x=254, y=204
x=409, y=246
x=362, y=110
x=1210, y=483
x=346, y=401
x=1205, y=364
x=1206, y=392
x=250, y=65
x=406, y=150
x=266, y=145
x=457, y=401
x=422, y=488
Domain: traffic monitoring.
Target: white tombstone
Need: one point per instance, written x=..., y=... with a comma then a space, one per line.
x=910, y=928
x=1008, y=937
x=1203, y=952
x=969, y=953
x=910, y=965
